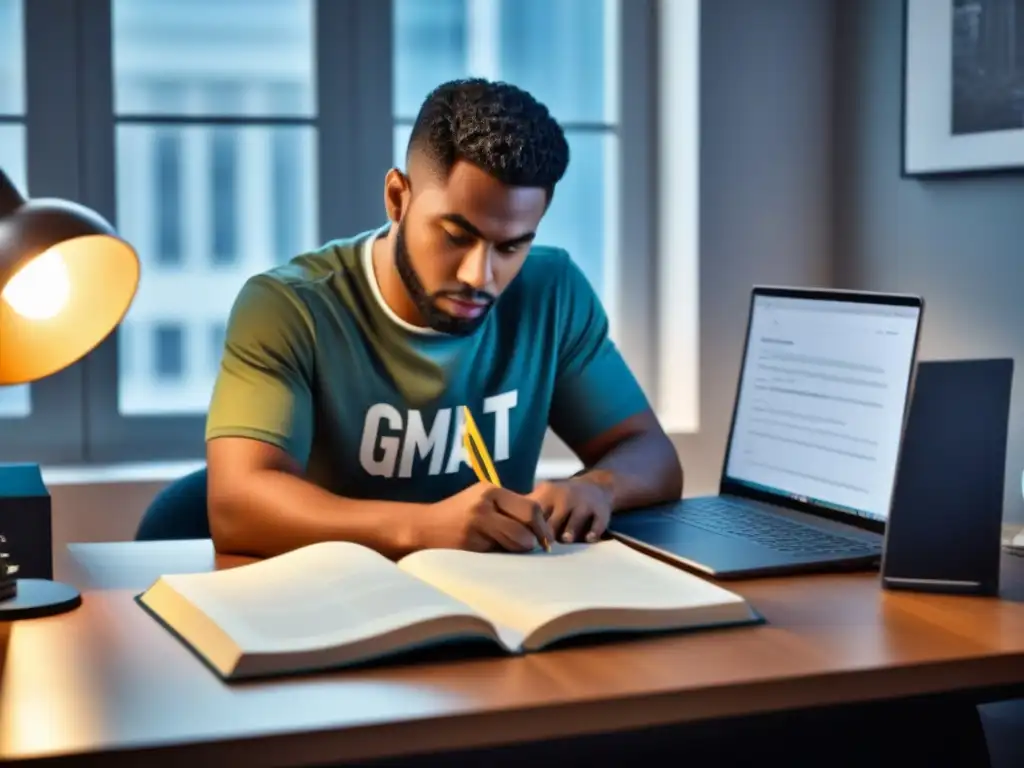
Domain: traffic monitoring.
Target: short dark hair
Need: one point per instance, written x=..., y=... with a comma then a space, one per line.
x=495, y=126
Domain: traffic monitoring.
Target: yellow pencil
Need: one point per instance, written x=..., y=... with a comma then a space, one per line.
x=480, y=458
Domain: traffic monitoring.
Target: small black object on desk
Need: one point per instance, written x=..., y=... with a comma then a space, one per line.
x=944, y=532
x=27, y=590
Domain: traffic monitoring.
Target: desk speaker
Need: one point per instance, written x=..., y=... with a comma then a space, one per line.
x=945, y=523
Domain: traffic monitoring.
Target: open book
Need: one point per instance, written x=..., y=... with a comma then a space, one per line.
x=334, y=604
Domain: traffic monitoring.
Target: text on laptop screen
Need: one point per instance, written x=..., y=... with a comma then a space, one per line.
x=821, y=401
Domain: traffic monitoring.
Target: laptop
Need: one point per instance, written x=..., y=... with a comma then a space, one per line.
x=817, y=427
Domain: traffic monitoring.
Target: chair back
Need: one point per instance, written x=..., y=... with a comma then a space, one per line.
x=178, y=511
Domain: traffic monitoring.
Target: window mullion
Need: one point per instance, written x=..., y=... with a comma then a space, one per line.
x=99, y=192
x=354, y=132
x=637, y=247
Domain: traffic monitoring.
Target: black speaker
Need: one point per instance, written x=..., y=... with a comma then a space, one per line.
x=25, y=521
x=945, y=523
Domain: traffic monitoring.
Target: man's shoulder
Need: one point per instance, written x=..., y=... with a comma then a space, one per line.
x=544, y=273
x=554, y=297
x=545, y=261
x=311, y=268
x=550, y=276
x=309, y=277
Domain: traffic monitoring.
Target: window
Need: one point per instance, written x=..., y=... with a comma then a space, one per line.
x=224, y=137
x=15, y=402
x=168, y=351
x=243, y=84
x=167, y=197
x=286, y=190
x=218, y=333
x=224, y=193
x=12, y=59
x=127, y=354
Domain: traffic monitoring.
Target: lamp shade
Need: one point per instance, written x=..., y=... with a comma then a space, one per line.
x=66, y=281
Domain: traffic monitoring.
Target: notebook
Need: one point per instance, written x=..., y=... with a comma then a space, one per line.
x=335, y=604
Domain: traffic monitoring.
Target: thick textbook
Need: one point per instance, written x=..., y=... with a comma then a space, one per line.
x=335, y=604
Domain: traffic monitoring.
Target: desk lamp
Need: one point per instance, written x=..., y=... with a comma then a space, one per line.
x=66, y=281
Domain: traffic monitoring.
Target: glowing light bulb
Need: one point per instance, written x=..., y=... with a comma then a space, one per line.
x=40, y=289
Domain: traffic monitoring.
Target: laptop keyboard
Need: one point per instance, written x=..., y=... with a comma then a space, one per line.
x=738, y=520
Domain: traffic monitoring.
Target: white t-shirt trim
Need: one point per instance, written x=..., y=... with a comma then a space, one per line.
x=371, y=276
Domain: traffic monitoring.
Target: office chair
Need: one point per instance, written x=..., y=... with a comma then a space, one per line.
x=178, y=511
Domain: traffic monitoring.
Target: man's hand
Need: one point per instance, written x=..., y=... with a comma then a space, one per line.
x=576, y=509
x=481, y=518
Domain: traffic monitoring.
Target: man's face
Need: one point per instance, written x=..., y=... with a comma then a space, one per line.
x=461, y=241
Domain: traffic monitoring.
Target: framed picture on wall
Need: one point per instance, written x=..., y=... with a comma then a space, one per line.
x=963, y=86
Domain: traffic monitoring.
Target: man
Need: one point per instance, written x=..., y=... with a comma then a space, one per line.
x=337, y=410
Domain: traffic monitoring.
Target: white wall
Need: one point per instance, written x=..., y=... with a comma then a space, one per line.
x=96, y=512
x=765, y=186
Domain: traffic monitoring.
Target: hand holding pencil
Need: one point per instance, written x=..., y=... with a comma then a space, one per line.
x=575, y=509
x=485, y=516
x=480, y=460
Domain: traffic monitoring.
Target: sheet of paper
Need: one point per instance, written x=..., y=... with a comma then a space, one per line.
x=526, y=590
x=326, y=594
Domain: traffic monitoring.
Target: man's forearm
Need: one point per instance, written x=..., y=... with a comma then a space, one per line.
x=274, y=512
x=638, y=472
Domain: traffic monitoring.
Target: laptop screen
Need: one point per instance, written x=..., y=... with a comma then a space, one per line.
x=820, y=408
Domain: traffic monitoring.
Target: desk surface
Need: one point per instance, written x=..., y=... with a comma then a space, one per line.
x=107, y=679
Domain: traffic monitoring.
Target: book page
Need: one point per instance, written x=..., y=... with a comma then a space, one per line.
x=527, y=591
x=320, y=596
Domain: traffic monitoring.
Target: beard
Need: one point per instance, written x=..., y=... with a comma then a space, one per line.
x=426, y=303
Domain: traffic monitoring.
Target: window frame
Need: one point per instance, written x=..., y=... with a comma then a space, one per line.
x=54, y=431
x=70, y=92
x=351, y=155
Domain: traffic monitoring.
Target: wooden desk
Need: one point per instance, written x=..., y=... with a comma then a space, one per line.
x=107, y=681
